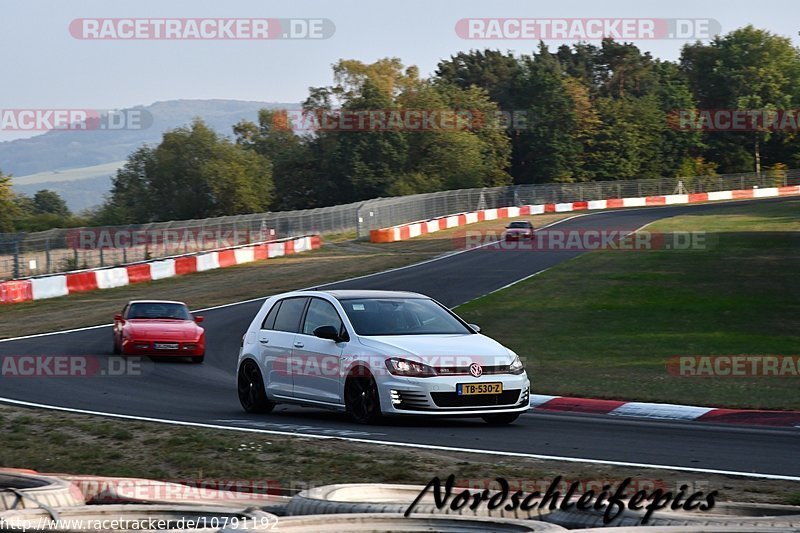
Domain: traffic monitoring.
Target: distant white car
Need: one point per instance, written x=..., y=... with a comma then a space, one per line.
x=374, y=353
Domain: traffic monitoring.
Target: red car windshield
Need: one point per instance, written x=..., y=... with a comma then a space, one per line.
x=159, y=311
x=519, y=225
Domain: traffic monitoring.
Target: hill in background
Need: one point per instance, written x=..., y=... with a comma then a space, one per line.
x=79, y=164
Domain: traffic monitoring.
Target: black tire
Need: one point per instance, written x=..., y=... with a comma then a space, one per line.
x=250, y=386
x=500, y=419
x=198, y=359
x=362, y=400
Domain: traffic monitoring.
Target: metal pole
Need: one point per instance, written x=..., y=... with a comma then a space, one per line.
x=47, y=253
x=17, y=239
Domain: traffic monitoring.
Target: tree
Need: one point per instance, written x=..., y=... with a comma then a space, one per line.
x=8, y=208
x=46, y=201
x=294, y=170
x=550, y=149
x=192, y=173
x=132, y=199
x=472, y=153
x=627, y=146
x=746, y=69
x=678, y=149
x=489, y=70
x=621, y=69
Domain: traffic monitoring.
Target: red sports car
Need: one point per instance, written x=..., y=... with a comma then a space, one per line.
x=518, y=230
x=156, y=327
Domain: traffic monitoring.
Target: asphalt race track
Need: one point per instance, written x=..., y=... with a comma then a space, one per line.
x=206, y=393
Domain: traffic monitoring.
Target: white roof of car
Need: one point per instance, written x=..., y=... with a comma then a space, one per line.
x=368, y=294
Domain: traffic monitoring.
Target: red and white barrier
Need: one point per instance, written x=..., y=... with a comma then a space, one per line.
x=50, y=287
x=415, y=229
x=109, y=278
x=664, y=411
x=45, y=287
x=209, y=261
x=162, y=269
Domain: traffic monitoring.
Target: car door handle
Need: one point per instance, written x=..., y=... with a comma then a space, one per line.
x=263, y=341
x=298, y=344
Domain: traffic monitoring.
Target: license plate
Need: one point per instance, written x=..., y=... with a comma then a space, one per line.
x=468, y=389
x=165, y=346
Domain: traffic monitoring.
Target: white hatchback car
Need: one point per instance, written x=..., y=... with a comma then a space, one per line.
x=375, y=353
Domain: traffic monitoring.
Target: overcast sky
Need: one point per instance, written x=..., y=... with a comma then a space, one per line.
x=44, y=66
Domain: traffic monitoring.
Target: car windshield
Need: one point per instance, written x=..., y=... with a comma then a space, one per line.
x=519, y=225
x=153, y=310
x=401, y=316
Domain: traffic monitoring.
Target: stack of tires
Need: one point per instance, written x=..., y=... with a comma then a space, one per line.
x=394, y=499
x=32, y=502
x=67, y=503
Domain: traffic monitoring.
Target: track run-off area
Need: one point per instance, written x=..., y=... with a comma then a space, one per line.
x=205, y=395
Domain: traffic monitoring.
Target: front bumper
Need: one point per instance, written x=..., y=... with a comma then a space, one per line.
x=184, y=349
x=438, y=396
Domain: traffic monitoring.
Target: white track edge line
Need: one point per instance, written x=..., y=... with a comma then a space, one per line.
x=542, y=271
x=777, y=477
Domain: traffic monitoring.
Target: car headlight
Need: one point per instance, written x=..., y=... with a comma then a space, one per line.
x=516, y=366
x=404, y=367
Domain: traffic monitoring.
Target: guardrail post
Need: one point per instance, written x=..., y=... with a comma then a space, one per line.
x=17, y=240
x=47, y=253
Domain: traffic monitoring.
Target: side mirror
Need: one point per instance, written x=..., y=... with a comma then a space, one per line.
x=117, y=318
x=475, y=327
x=327, y=332
x=199, y=319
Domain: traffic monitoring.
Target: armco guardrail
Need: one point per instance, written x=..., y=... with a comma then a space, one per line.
x=59, y=250
x=54, y=286
x=415, y=229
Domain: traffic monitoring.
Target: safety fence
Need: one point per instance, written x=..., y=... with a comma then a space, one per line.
x=57, y=285
x=60, y=250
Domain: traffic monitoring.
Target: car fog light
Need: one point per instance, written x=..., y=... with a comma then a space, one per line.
x=395, y=396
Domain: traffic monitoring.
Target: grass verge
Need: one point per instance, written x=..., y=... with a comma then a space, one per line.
x=341, y=257
x=605, y=324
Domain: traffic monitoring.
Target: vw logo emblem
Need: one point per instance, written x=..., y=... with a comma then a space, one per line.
x=475, y=370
